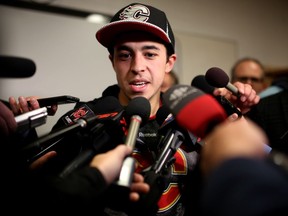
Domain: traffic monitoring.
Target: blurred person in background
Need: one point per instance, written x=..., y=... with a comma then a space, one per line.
x=251, y=71
x=170, y=79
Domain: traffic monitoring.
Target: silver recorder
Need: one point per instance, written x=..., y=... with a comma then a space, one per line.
x=31, y=119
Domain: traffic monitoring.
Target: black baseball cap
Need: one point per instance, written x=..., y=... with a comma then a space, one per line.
x=137, y=16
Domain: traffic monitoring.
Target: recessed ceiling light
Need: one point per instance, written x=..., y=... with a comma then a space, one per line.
x=97, y=18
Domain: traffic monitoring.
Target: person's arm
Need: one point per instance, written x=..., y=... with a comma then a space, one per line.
x=110, y=165
x=87, y=187
x=239, y=138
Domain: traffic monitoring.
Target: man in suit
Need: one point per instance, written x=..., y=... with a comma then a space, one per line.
x=271, y=113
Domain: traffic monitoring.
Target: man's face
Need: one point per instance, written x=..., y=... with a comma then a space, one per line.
x=251, y=73
x=140, y=63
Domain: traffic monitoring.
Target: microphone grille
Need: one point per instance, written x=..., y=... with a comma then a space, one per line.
x=217, y=77
x=201, y=83
x=16, y=67
x=162, y=113
x=139, y=106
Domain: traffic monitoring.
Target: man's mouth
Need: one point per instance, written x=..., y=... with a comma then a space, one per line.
x=138, y=84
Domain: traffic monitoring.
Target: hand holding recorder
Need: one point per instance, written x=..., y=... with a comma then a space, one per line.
x=26, y=104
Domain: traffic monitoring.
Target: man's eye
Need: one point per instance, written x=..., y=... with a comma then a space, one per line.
x=124, y=55
x=150, y=55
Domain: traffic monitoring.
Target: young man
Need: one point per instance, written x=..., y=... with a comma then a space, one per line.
x=141, y=47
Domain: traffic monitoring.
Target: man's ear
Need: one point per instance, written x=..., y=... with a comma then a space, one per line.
x=111, y=59
x=170, y=63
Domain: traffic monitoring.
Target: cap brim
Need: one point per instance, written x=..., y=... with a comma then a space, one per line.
x=107, y=33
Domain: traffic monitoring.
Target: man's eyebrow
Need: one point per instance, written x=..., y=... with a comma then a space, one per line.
x=123, y=47
x=147, y=47
x=152, y=47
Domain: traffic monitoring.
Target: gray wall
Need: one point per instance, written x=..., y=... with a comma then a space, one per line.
x=258, y=27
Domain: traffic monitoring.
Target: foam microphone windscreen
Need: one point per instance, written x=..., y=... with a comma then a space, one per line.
x=193, y=109
x=139, y=106
x=217, y=77
x=162, y=114
x=104, y=105
x=201, y=83
x=16, y=67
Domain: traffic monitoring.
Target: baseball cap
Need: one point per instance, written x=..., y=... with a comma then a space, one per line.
x=137, y=17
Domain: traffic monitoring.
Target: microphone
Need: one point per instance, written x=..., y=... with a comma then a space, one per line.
x=102, y=142
x=219, y=79
x=168, y=143
x=201, y=83
x=196, y=111
x=193, y=109
x=77, y=120
x=138, y=110
x=168, y=131
x=16, y=67
x=97, y=107
x=171, y=137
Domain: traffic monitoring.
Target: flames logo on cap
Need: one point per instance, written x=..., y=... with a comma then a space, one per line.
x=135, y=12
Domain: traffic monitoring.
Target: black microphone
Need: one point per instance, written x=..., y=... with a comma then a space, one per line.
x=219, y=79
x=102, y=142
x=88, y=116
x=138, y=109
x=103, y=107
x=171, y=137
x=171, y=141
x=201, y=83
x=16, y=67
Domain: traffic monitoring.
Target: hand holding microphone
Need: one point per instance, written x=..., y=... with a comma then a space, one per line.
x=218, y=78
x=200, y=113
x=243, y=95
x=201, y=83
